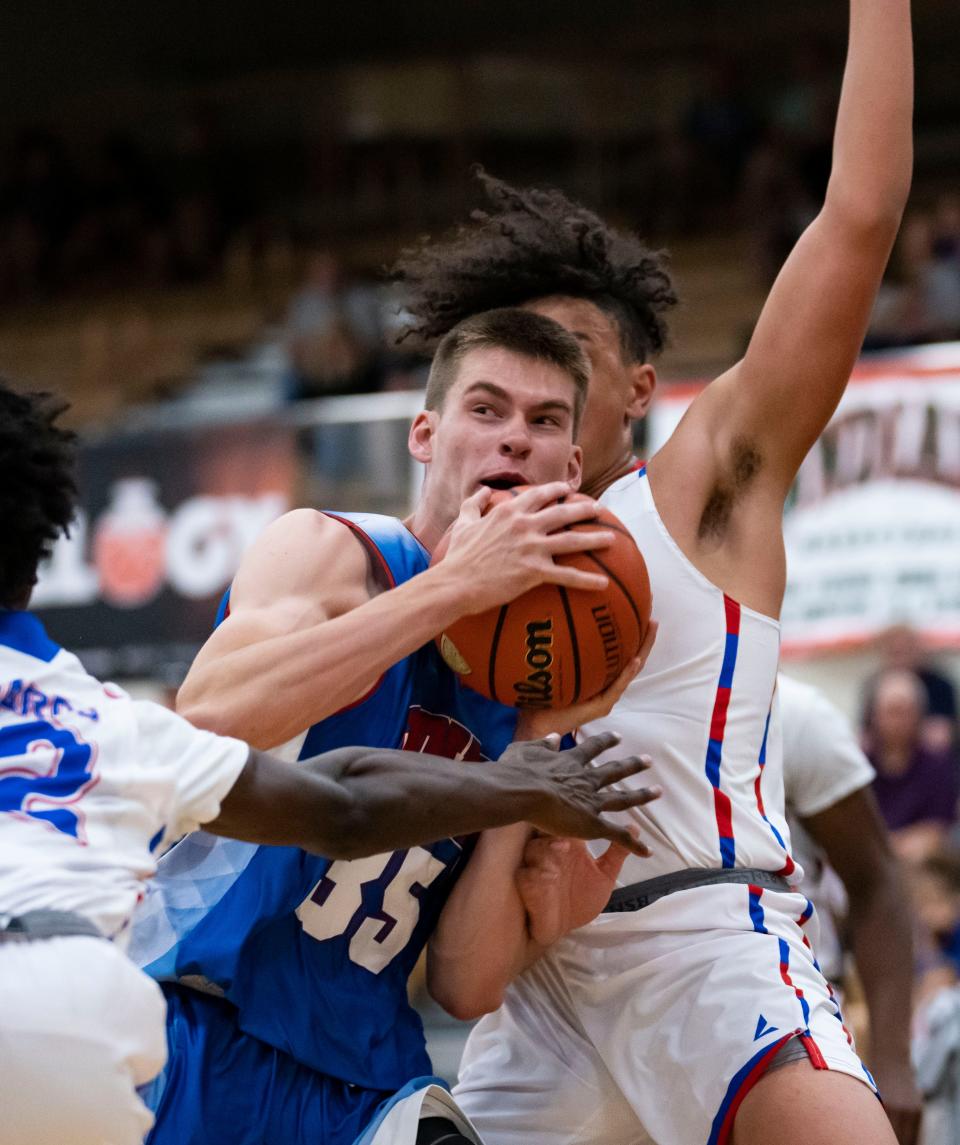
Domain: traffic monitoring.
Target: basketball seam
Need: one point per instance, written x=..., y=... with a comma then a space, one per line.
x=574, y=645
x=620, y=585
x=494, y=644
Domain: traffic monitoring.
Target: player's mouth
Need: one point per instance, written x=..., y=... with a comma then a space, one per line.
x=504, y=480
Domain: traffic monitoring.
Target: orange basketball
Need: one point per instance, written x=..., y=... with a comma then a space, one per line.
x=553, y=647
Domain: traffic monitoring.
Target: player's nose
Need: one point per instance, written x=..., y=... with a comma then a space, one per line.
x=515, y=440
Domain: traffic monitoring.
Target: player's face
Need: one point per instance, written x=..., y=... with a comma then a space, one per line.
x=507, y=420
x=619, y=392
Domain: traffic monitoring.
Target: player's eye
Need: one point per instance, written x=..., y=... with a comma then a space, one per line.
x=484, y=410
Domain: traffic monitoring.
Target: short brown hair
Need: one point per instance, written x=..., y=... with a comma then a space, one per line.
x=519, y=331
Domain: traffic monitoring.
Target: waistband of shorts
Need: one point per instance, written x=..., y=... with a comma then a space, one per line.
x=39, y=924
x=638, y=895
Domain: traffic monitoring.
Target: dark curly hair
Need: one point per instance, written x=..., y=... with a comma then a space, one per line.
x=38, y=493
x=530, y=244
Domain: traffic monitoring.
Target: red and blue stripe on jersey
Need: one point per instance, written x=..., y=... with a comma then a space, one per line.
x=789, y=865
x=718, y=723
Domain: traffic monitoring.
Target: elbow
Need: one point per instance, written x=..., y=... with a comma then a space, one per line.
x=350, y=832
x=472, y=1013
x=872, y=218
x=203, y=714
x=466, y=1002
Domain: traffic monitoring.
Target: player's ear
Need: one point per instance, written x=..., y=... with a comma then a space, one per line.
x=643, y=382
x=420, y=438
x=575, y=467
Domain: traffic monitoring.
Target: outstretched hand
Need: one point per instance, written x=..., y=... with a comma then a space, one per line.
x=571, y=795
x=563, y=886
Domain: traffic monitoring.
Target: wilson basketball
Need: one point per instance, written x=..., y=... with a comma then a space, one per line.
x=553, y=647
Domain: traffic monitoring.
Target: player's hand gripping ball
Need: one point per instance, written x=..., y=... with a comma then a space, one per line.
x=554, y=647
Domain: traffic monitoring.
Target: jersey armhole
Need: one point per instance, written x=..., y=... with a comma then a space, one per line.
x=385, y=580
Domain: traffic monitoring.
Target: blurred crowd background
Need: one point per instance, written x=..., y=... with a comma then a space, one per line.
x=198, y=205
x=179, y=185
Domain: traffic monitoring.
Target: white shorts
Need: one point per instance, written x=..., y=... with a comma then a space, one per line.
x=80, y=1027
x=398, y=1121
x=645, y=1027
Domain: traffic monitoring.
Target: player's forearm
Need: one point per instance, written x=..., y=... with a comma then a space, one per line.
x=268, y=692
x=401, y=798
x=873, y=146
x=482, y=942
x=882, y=940
x=353, y=802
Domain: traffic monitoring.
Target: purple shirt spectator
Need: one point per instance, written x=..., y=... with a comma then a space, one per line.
x=926, y=791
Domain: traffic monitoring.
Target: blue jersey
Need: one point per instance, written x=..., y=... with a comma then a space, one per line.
x=315, y=954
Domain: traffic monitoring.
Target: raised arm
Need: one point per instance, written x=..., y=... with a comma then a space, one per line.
x=721, y=480
x=784, y=391
x=311, y=631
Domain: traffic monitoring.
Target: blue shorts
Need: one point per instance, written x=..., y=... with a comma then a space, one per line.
x=221, y=1085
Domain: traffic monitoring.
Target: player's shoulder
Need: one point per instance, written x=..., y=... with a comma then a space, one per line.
x=314, y=565
x=295, y=553
x=306, y=528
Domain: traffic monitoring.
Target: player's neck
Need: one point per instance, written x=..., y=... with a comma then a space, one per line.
x=599, y=483
x=426, y=527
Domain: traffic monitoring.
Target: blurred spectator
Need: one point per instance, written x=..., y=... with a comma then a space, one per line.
x=946, y=228
x=334, y=333
x=786, y=174
x=900, y=646
x=39, y=204
x=916, y=786
x=920, y=302
x=719, y=128
x=936, y=1042
x=122, y=231
x=776, y=205
x=803, y=109
x=936, y=895
x=406, y=361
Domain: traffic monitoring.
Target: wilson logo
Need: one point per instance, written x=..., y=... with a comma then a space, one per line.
x=536, y=691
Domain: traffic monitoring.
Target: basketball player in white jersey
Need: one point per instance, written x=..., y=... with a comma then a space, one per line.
x=94, y=785
x=695, y=1011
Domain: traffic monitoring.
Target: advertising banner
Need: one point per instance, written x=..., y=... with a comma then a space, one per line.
x=164, y=519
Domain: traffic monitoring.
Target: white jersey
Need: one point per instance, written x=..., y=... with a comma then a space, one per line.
x=93, y=784
x=701, y=709
x=822, y=764
x=651, y=1025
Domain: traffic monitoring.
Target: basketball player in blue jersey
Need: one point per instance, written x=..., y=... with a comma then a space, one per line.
x=707, y=509
x=94, y=783
x=285, y=975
